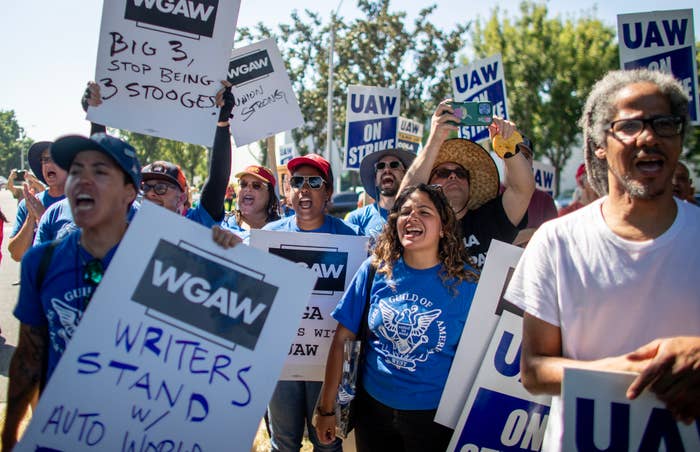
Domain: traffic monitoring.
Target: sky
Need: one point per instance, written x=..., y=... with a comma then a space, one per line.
x=48, y=48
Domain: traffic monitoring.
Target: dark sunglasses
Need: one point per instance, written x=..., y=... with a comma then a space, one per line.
x=255, y=185
x=160, y=188
x=393, y=165
x=315, y=182
x=444, y=173
x=92, y=274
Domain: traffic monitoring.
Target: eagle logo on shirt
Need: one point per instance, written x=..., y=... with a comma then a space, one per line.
x=68, y=317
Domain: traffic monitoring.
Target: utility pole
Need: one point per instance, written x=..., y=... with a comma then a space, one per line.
x=333, y=159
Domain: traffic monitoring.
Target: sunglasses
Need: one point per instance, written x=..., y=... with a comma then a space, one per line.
x=392, y=165
x=315, y=182
x=160, y=188
x=255, y=185
x=92, y=274
x=444, y=173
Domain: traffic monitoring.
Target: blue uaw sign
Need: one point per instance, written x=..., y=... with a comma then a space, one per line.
x=481, y=81
x=372, y=122
x=663, y=41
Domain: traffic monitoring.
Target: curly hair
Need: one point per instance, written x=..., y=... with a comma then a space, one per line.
x=600, y=109
x=451, y=251
x=272, y=208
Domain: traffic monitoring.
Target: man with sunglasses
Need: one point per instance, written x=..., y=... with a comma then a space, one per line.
x=613, y=285
x=381, y=174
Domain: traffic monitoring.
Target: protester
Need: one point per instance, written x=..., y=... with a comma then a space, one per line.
x=682, y=184
x=257, y=202
x=584, y=194
x=293, y=402
x=381, y=173
x=230, y=198
x=18, y=191
x=613, y=286
x=412, y=343
x=469, y=178
x=32, y=207
x=3, y=220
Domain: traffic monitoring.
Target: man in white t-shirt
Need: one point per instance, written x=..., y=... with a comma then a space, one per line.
x=613, y=285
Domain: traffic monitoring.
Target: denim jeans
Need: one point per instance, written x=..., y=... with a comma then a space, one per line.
x=291, y=407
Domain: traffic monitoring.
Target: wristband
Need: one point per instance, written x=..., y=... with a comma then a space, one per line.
x=324, y=413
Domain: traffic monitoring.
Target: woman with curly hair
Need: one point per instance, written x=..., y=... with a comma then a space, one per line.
x=419, y=299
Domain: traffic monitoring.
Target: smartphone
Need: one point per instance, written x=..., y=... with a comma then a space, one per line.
x=473, y=113
x=19, y=178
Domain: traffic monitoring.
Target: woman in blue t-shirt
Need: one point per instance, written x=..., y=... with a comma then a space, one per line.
x=419, y=300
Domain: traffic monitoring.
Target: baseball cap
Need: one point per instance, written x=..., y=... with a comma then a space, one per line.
x=580, y=172
x=314, y=160
x=64, y=149
x=260, y=172
x=166, y=171
x=34, y=158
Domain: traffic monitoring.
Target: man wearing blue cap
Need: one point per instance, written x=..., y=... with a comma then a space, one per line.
x=103, y=179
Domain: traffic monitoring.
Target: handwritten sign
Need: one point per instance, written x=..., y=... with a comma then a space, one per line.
x=481, y=81
x=159, y=66
x=334, y=259
x=265, y=102
x=410, y=135
x=663, y=41
x=598, y=416
x=181, y=338
x=545, y=177
x=371, y=124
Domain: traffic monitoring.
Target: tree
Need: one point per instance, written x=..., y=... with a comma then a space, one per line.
x=550, y=66
x=692, y=145
x=13, y=142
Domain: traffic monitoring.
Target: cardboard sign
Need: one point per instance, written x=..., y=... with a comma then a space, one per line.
x=160, y=64
x=265, y=102
x=410, y=135
x=181, y=338
x=500, y=414
x=483, y=80
x=663, y=41
x=545, y=177
x=334, y=259
x=371, y=122
x=486, y=310
x=598, y=416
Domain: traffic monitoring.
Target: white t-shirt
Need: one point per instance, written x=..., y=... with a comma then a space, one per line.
x=609, y=295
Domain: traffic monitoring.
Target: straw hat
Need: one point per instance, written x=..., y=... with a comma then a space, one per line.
x=483, y=174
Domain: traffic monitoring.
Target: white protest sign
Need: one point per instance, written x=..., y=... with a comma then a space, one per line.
x=481, y=81
x=160, y=64
x=410, y=135
x=663, y=41
x=545, y=177
x=598, y=416
x=334, y=259
x=180, y=339
x=500, y=414
x=486, y=309
x=285, y=153
x=265, y=102
x=371, y=122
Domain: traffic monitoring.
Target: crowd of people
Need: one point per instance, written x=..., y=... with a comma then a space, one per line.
x=599, y=281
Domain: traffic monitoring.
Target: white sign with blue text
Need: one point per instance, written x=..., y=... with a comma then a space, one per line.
x=180, y=339
x=410, y=135
x=285, y=153
x=481, y=81
x=598, y=416
x=160, y=64
x=371, y=122
x=663, y=41
x=545, y=177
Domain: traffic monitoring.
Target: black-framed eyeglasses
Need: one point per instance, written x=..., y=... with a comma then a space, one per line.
x=315, y=182
x=160, y=188
x=396, y=164
x=255, y=185
x=444, y=173
x=46, y=160
x=663, y=126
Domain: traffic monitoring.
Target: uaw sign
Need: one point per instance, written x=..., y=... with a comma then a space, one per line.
x=371, y=122
x=410, y=135
x=545, y=177
x=334, y=259
x=481, y=81
x=159, y=65
x=663, y=41
x=181, y=337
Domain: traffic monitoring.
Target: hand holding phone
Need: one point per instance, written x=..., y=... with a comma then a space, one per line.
x=473, y=113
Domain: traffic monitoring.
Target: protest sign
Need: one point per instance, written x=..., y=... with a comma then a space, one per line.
x=500, y=414
x=371, y=122
x=181, y=338
x=545, y=177
x=598, y=416
x=334, y=259
x=284, y=154
x=483, y=80
x=486, y=309
x=264, y=101
x=410, y=135
x=663, y=41
x=160, y=64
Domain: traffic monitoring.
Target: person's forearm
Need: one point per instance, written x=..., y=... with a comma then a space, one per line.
x=20, y=243
x=518, y=175
x=334, y=372
x=214, y=188
x=419, y=171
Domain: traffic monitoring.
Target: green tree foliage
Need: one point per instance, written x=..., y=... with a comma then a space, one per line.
x=550, y=66
x=12, y=142
x=692, y=144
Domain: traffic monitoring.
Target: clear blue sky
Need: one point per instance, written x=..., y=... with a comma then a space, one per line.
x=48, y=47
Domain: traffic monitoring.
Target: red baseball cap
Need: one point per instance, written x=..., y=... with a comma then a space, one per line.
x=260, y=172
x=313, y=160
x=580, y=172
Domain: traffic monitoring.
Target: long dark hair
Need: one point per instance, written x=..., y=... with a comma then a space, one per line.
x=272, y=209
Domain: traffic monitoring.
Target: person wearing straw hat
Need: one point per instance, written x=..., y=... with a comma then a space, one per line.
x=381, y=173
x=469, y=178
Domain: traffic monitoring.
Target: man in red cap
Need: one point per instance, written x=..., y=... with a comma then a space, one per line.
x=584, y=192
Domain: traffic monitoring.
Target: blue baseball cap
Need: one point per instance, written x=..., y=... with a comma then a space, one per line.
x=64, y=149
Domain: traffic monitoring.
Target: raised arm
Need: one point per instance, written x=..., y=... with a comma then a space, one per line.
x=91, y=97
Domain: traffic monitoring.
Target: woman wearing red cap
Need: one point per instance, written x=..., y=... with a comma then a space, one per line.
x=584, y=192
x=257, y=202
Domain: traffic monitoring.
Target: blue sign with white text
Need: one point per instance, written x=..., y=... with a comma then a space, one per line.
x=366, y=137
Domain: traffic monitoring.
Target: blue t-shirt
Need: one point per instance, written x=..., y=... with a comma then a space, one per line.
x=232, y=225
x=199, y=214
x=331, y=225
x=415, y=332
x=61, y=300
x=46, y=201
x=370, y=221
